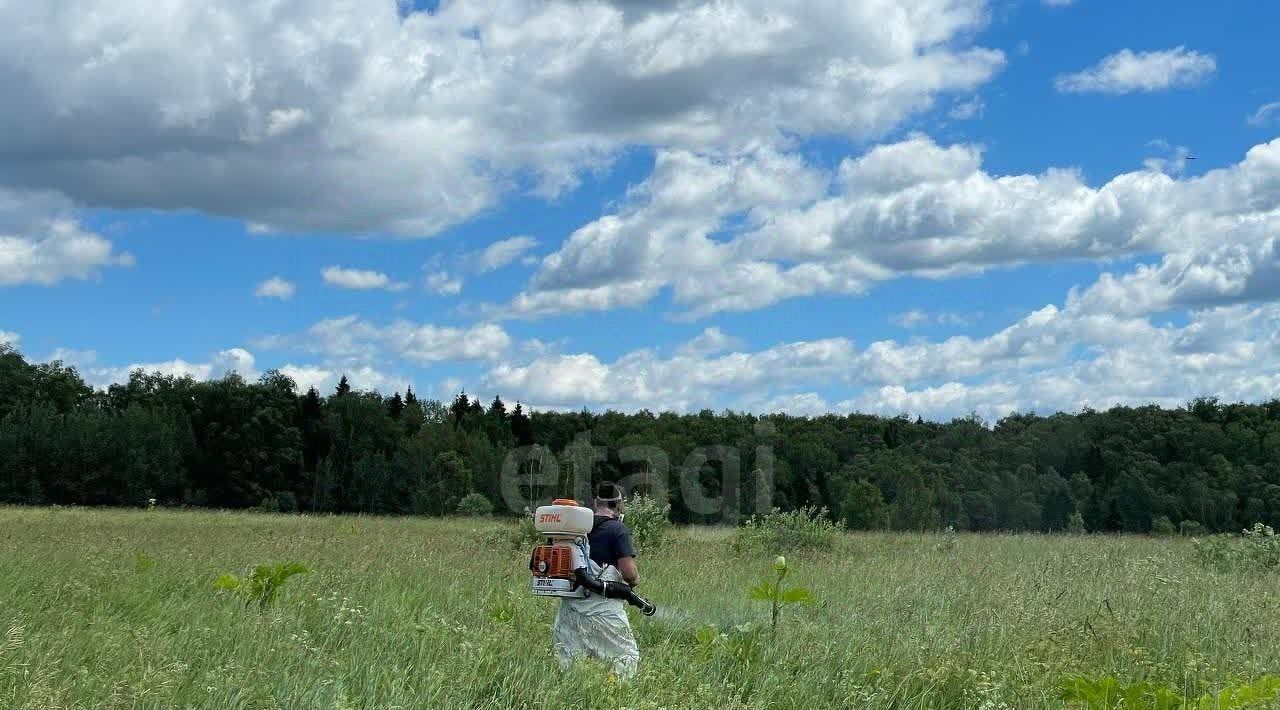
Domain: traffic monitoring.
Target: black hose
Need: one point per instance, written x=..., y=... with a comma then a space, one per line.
x=615, y=590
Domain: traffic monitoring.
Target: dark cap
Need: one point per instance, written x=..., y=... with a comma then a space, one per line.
x=608, y=492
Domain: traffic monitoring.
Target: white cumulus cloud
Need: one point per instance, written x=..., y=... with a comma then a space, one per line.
x=325, y=379
x=351, y=338
x=1170, y=159
x=275, y=287
x=966, y=110
x=263, y=112
x=42, y=243
x=916, y=318
x=501, y=253
x=442, y=283
x=359, y=279
x=909, y=208
x=1053, y=359
x=237, y=360
x=1127, y=71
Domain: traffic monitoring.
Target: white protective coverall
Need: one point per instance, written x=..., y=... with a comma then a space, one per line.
x=596, y=626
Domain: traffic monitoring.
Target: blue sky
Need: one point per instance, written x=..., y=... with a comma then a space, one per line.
x=949, y=206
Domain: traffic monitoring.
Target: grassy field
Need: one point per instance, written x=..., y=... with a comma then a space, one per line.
x=117, y=609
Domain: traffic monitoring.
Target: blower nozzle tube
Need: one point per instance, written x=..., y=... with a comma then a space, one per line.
x=616, y=590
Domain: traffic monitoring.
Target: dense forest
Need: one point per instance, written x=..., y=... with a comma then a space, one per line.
x=229, y=443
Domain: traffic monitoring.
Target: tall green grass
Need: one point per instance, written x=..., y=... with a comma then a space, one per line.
x=117, y=609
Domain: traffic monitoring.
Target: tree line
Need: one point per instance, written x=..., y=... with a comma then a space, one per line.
x=232, y=443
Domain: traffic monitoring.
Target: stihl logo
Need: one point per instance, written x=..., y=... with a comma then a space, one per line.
x=550, y=517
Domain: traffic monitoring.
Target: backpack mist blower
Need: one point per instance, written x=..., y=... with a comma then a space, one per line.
x=563, y=568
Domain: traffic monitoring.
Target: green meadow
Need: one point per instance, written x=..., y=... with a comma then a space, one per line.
x=119, y=609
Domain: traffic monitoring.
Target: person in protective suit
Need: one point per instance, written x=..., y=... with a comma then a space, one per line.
x=598, y=626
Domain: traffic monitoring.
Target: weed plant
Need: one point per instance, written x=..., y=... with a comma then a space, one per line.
x=778, y=532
